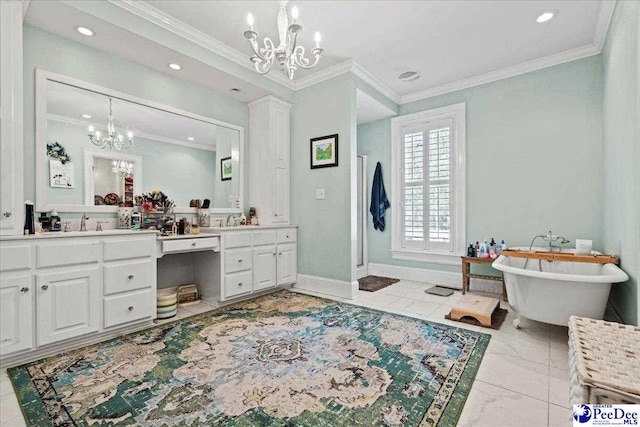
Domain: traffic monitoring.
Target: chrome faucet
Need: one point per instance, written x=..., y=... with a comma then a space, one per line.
x=551, y=238
x=99, y=225
x=229, y=219
x=83, y=222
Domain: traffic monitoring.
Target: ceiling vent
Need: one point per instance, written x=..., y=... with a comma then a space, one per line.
x=409, y=76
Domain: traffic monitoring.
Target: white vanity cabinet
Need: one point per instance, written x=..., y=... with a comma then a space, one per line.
x=68, y=304
x=16, y=313
x=56, y=289
x=256, y=260
x=269, y=181
x=11, y=146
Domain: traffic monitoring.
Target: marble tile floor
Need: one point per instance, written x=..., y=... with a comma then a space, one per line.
x=523, y=379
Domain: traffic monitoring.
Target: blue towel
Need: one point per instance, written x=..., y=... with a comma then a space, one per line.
x=379, y=202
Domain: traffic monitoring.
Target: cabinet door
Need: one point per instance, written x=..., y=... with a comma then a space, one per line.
x=16, y=314
x=264, y=267
x=68, y=304
x=287, y=263
x=280, y=136
x=11, y=164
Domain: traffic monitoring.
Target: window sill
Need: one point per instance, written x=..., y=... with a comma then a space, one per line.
x=434, y=257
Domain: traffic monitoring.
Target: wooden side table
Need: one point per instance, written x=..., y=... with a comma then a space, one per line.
x=466, y=274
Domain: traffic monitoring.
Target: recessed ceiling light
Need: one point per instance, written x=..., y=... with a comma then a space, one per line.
x=547, y=16
x=235, y=90
x=85, y=31
x=191, y=138
x=175, y=66
x=86, y=116
x=409, y=76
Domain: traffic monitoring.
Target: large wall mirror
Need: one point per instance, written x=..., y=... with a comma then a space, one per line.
x=154, y=147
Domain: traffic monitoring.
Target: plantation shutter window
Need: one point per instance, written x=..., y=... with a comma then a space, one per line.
x=428, y=156
x=427, y=186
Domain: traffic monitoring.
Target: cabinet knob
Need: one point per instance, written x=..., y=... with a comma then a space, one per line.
x=130, y=276
x=240, y=284
x=193, y=244
x=287, y=236
x=130, y=308
x=6, y=214
x=240, y=260
x=24, y=290
x=44, y=287
x=275, y=214
x=280, y=253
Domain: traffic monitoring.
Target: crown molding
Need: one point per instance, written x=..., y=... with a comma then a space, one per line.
x=269, y=99
x=373, y=81
x=504, y=73
x=144, y=10
x=604, y=20
x=25, y=8
x=324, y=74
x=144, y=135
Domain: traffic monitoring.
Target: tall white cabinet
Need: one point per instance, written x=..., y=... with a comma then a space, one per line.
x=11, y=182
x=270, y=158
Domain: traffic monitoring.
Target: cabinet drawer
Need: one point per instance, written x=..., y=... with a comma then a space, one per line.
x=237, y=240
x=127, y=276
x=237, y=284
x=128, y=308
x=287, y=235
x=266, y=237
x=127, y=249
x=187, y=245
x=17, y=257
x=67, y=254
x=237, y=260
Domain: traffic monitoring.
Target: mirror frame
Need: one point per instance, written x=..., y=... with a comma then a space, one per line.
x=41, y=175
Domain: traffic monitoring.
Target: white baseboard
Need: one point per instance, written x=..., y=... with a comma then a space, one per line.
x=362, y=271
x=445, y=278
x=324, y=286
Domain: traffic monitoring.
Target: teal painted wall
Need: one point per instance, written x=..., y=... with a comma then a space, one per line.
x=534, y=157
x=50, y=52
x=621, y=156
x=326, y=232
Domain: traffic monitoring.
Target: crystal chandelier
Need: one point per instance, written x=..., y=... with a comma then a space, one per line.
x=122, y=168
x=287, y=53
x=113, y=140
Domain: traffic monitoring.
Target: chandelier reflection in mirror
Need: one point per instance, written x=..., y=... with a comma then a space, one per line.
x=113, y=139
x=288, y=54
x=122, y=168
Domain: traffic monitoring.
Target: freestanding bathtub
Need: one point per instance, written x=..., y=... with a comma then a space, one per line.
x=551, y=291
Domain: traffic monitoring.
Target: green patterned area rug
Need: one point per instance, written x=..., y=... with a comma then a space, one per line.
x=284, y=359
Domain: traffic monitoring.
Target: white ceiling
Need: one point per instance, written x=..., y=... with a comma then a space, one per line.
x=447, y=41
x=68, y=103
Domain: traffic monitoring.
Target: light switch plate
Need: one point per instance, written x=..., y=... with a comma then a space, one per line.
x=319, y=193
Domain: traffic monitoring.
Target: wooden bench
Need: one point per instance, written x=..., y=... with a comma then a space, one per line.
x=467, y=275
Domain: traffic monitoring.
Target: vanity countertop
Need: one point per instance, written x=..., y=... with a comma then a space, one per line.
x=244, y=228
x=62, y=234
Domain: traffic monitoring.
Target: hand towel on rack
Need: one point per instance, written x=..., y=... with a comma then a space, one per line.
x=379, y=202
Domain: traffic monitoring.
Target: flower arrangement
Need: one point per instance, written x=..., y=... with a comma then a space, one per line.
x=57, y=151
x=154, y=201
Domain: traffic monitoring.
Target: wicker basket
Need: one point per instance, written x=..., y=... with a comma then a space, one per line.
x=604, y=359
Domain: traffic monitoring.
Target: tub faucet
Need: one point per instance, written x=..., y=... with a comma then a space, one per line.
x=83, y=222
x=551, y=238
